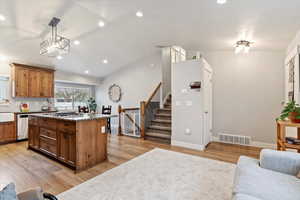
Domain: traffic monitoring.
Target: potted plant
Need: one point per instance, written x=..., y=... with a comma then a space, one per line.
x=92, y=105
x=291, y=111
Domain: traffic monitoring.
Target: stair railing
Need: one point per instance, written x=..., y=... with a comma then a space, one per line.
x=145, y=110
x=129, y=121
x=133, y=121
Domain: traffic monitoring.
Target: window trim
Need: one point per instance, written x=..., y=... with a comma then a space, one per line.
x=74, y=87
x=4, y=77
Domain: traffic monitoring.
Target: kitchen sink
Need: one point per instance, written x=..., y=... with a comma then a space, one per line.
x=7, y=117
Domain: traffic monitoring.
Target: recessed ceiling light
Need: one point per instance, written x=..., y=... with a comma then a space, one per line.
x=77, y=42
x=105, y=61
x=86, y=71
x=139, y=14
x=2, y=18
x=59, y=57
x=221, y=1
x=101, y=23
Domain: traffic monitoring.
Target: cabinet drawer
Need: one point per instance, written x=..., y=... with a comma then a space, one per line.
x=47, y=123
x=65, y=126
x=33, y=121
x=48, y=133
x=48, y=146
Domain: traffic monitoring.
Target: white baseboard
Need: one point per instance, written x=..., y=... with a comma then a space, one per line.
x=188, y=145
x=254, y=144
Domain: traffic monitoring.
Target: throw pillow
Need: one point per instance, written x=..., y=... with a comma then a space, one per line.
x=298, y=175
x=8, y=192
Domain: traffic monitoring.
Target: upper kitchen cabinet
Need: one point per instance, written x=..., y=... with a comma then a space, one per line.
x=33, y=82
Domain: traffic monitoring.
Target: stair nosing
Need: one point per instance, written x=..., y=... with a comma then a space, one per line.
x=160, y=128
x=158, y=135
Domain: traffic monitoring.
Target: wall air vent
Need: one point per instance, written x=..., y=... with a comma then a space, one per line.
x=234, y=139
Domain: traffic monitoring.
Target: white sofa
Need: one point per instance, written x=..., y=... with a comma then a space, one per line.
x=273, y=177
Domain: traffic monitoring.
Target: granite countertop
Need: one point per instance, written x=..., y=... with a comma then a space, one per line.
x=32, y=112
x=77, y=117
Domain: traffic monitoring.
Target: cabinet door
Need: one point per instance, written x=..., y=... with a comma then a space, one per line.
x=47, y=84
x=67, y=147
x=21, y=82
x=33, y=136
x=7, y=132
x=34, y=83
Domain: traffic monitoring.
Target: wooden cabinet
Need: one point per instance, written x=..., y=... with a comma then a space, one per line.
x=8, y=132
x=78, y=144
x=34, y=136
x=67, y=147
x=21, y=82
x=33, y=133
x=34, y=82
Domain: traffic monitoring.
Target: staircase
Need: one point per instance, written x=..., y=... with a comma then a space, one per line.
x=160, y=128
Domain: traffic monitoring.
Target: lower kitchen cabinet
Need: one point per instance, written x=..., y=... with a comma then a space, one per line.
x=8, y=132
x=78, y=144
x=34, y=136
x=67, y=147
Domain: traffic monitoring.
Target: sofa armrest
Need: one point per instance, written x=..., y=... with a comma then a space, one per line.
x=280, y=161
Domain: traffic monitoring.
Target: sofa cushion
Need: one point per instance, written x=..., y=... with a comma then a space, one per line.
x=252, y=180
x=244, y=197
x=8, y=192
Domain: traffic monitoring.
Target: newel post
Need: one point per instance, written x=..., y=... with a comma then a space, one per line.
x=142, y=114
x=120, y=128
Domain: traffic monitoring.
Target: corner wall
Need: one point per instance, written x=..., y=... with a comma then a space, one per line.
x=137, y=82
x=247, y=93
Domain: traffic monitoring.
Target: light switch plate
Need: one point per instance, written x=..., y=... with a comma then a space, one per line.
x=188, y=131
x=184, y=91
x=103, y=129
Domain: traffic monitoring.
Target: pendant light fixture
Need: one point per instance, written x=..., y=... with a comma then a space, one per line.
x=56, y=45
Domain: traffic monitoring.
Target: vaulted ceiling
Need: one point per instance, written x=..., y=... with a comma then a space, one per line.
x=193, y=24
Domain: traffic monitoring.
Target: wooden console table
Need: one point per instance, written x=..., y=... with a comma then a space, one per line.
x=282, y=145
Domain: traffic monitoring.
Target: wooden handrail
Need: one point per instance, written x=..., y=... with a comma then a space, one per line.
x=153, y=94
x=129, y=109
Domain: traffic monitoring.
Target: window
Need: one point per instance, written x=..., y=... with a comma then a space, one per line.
x=70, y=96
x=4, y=90
x=178, y=54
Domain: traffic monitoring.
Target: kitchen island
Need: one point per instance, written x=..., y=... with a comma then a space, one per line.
x=76, y=140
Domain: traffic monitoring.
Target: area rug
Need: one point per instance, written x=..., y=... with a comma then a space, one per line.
x=159, y=175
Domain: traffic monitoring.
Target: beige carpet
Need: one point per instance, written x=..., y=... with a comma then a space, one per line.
x=159, y=175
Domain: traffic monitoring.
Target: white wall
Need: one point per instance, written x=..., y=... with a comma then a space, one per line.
x=187, y=106
x=75, y=78
x=294, y=43
x=248, y=91
x=137, y=82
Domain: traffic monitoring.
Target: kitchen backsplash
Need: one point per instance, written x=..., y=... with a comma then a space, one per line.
x=35, y=104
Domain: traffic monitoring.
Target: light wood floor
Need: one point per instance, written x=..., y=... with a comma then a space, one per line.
x=28, y=169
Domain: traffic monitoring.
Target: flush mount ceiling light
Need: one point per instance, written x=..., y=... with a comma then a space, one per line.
x=2, y=18
x=242, y=46
x=101, y=23
x=86, y=71
x=56, y=44
x=139, y=14
x=221, y=1
x=105, y=61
